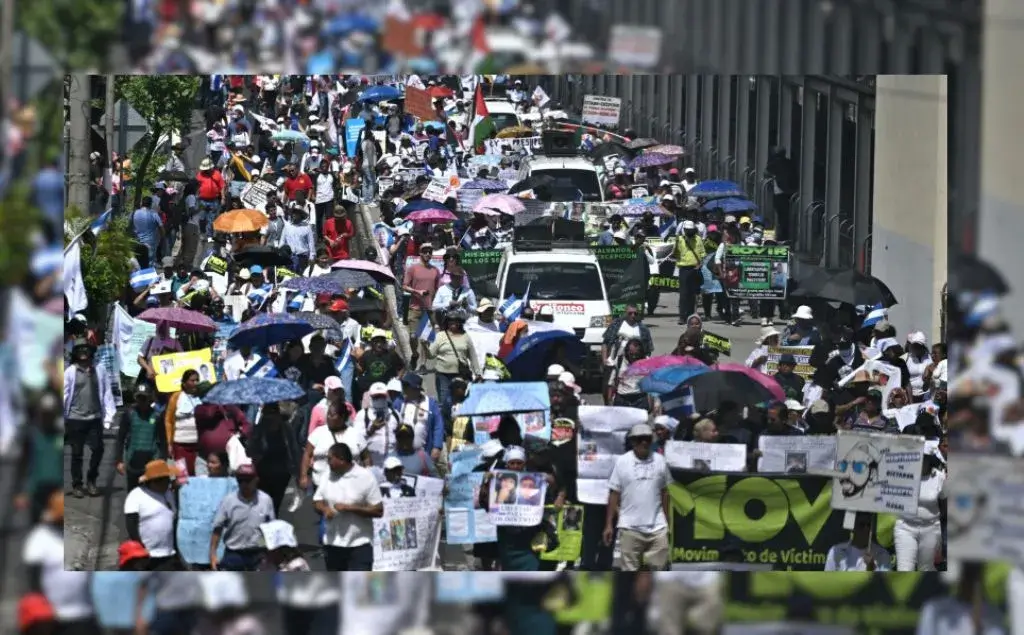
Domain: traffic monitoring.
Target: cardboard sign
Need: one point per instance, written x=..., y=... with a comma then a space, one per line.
x=169, y=368
x=635, y=46
x=401, y=38
x=419, y=104
x=601, y=110
x=877, y=472
x=254, y=196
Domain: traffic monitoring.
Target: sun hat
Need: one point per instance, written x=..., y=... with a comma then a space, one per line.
x=568, y=380
x=205, y=164
x=392, y=462
x=555, y=370
x=794, y=405
x=803, y=312
x=640, y=430
x=484, y=306
x=155, y=470
x=767, y=332
x=130, y=550
x=333, y=383
x=515, y=453
x=244, y=274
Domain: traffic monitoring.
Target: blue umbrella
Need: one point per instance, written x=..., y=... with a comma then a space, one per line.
x=380, y=93
x=290, y=135
x=350, y=22
x=717, y=189
x=665, y=380
x=268, y=329
x=527, y=361
x=254, y=390
x=336, y=282
x=503, y=398
x=435, y=125
x=485, y=184
x=420, y=205
x=731, y=205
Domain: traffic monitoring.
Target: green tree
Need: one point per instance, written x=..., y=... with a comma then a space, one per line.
x=18, y=220
x=106, y=259
x=77, y=32
x=166, y=103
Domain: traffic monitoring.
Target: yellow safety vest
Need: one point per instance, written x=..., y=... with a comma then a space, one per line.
x=689, y=255
x=493, y=363
x=594, y=593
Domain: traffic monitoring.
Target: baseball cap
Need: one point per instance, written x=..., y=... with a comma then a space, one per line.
x=412, y=380
x=640, y=430
x=688, y=224
x=130, y=550
x=392, y=462
x=744, y=220
x=378, y=389
x=332, y=383
x=338, y=305
x=256, y=270
x=729, y=218
x=395, y=385
x=555, y=370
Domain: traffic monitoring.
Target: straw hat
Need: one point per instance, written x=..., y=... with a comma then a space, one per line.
x=156, y=470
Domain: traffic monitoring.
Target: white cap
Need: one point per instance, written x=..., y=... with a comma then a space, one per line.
x=668, y=197
x=917, y=337
x=392, y=462
x=620, y=170
x=688, y=224
x=803, y=312
x=547, y=309
x=515, y=453
x=201, y=286
x=729, y=218
x=555, y=370
x=314, y=144
x=640, y=430
x=886, y=343
x=375, y=333
x=314, y=118
x=665, y=183
x=568, y=380
x=794, y=405
x=491, y=449
x=378, y=389
x=689, y=170
x=666, y=421
x=395, y=385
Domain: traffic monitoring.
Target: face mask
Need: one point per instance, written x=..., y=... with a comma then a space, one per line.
x=379, y=403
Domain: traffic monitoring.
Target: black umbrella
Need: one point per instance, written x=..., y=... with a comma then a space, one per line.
x=849, y=286
x=262, y=256
x=610, y=148
x=717, y=387
x=318, y=321
x=640, y=144
x=969, y=273
x=350, y=278
x=173, y=175
x=532, y=182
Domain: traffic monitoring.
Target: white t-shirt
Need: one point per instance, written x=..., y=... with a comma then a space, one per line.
x=626, y=333
x=311, y=590
x=846, y=557
x=640, y=484
x=933, y=489
x=358, y=486
x=382, y=442
x=323, y=438
x=156, y=519
x=68, y=591
x=235, y=366
x=692, y=579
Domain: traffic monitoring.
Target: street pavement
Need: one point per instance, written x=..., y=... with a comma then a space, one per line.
x=94, y=526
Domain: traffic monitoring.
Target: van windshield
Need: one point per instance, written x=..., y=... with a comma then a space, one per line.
x=569, y=180
x=504, y=120
x=579, y=281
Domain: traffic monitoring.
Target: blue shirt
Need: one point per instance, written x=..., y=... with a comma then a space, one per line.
x=48, y=192
x=147, y=225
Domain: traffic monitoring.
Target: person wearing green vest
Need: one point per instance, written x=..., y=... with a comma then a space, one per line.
x=590, y=601
x=689, y=254
x=141, y=437
x=41, y=463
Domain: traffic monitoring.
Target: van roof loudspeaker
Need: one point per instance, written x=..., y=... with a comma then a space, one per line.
x=558, y=143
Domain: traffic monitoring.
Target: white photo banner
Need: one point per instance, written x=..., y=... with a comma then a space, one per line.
x=254, y=196
x=706, y=457
x=796, y=455
x=517, y=498
x=877, y=472
x=406, y=538
x=886, y=376
x=601, y=110
x=602, y=441
x=985, y=511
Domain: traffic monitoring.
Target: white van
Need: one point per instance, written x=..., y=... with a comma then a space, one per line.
x=570, y=174
x=571, y=283
x=503, y=114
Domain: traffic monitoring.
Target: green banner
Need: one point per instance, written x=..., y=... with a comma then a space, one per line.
x=664, y=283
x=756, y=272
x=717, y=343
x=625, y=272
x=785, y=521
x=568, y=522
x=481, y=265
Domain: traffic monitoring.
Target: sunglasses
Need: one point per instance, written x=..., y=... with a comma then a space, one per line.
x=858, y=467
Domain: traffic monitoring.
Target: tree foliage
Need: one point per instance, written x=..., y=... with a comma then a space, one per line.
x=78, y=33
x=18, y=217
x=106, y=259
x=166, y=103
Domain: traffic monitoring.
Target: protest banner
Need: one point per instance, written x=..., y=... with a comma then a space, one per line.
x=32, y=333
x=625, y=272
x=517, y=498
x=759, y=272
x=419, y=104
x=466, y=522
x=169, y=368
x=254, y=196
x=602, y=440
x=802, y=354
x=425, y=486
x=877, y=472
x=514, y=145
x=439, y=189
x=717, y=343
x=568, y=522
x=106, y=361
x=796, y=455
x=129, y=337
x=786, y=521
x=481, y=265
x=353, y=130
x=985, y=509
x=467, y=198
x=876, y=603
x=534, y=424
x=110, y=590
x=406, y=537
x=634, y=46
x=664, y=283
x=601, y=110
x=706, y=457
x=198, y=501
x=401, y=37
x=468, y=587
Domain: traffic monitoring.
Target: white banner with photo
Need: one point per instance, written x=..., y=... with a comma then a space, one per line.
x=602, y=441
x=877, y=472
x=796, y=455
x=706, y=457
x=516, y=498
x=407, y=537
x=985, y=511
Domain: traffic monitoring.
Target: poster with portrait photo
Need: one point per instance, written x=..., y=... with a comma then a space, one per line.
x=876, y=472
x=517, y=498
x=818, y=453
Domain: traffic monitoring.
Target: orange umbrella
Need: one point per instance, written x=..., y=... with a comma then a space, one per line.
x=241, y=221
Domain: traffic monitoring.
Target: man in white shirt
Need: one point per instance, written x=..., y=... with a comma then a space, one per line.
x=688, y=602
x=349, y=499
x=240, y=362
x=638, y=503
x=860, y=552
x=454, y=295
x=484, y=318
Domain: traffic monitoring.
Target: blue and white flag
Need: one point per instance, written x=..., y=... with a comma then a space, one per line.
x=874, y=316
x=101, y=222
x=295, y=304
x=265, y=368
x=47, y=260
x=425, y=329
x=668, y=230
x=680, y=404
x=345, y=358
x=512, y=307
x=143, y=278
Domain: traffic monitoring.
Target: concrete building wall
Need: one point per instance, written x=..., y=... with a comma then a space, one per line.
x=909, y=230
x=1001, y=221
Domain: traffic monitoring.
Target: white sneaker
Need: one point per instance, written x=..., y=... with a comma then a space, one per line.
x=764, y=321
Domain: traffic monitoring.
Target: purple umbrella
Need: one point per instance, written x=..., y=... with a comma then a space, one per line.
x=181, y=319
x=649, y=161
x=485, y=184
x=645, y=367
x=432, y=216
x=379, y=272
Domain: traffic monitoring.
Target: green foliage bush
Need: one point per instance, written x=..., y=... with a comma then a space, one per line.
x=106, y=259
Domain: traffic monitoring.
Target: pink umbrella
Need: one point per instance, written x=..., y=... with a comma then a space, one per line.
x=432, y=216
x=378, y=271
x=181, y=319
x=504, y=203
x=765, y=380
x=645, y=367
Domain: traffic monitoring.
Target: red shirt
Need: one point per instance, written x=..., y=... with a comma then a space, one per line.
x=341, y=230
x=422, y=277
x=293, y=184
x=211, y=185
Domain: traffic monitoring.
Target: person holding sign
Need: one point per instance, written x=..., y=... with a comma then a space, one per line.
x=860, y=552
x=918, y=537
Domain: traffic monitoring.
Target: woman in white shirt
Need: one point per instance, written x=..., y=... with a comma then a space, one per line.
x=758, y=358
x=324, y=181
x=184, y=434
x=919, y=537
x=150, y=511
x=918, y=361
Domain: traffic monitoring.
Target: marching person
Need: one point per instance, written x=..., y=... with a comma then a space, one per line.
x=238, y=521
x=88, y=410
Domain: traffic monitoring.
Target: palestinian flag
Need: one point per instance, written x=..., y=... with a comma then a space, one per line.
x=483, y=125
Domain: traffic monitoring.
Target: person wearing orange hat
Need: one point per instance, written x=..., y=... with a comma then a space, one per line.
x=36, y=615
x=132, y=555
x=150, y=515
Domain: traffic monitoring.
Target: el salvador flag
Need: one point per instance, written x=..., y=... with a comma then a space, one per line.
x=512, y=307
x=143, y=278
x=100, y=223
x=265, y=369
x=680, y=404
x=345, y=358
x=425, y=330
x=46, y=261
x=667, y=231
x=874, y=316
x=257, y=298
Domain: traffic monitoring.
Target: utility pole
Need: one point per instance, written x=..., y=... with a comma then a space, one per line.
x=108, y=135
x=6, y=79
x=78, y=143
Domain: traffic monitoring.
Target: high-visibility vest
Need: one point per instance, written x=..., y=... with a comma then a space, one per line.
x=594, y=593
